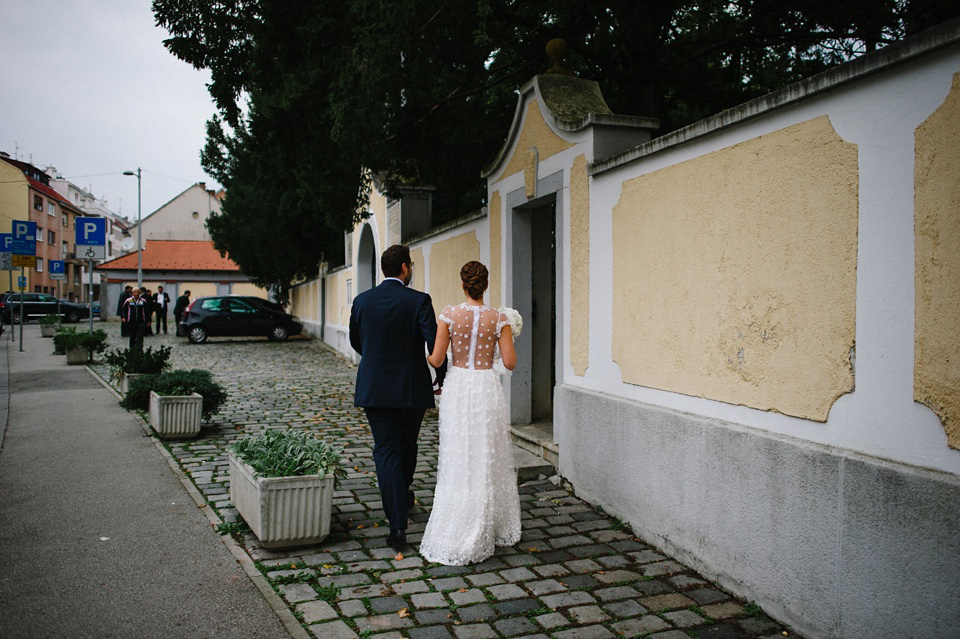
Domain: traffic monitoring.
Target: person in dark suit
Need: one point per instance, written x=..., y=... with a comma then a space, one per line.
x=179, y=309
x=393, y=327
x=127, y=292
x=161, y=302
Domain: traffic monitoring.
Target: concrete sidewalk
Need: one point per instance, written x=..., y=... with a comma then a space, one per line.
x=98, y=537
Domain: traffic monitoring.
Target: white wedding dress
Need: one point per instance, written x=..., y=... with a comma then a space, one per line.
x=476, y=506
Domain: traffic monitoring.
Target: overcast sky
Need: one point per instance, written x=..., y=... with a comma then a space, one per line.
x=87, y=87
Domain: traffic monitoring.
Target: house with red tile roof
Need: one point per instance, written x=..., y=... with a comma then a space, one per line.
x=178, y=266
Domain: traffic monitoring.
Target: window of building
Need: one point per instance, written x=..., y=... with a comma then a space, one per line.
x=38, y=202
x=51, y=237
x=65, y=221
x=51, y=208
x=39, y=265
x=76, y=275
x=39, y=233
x=64, y=249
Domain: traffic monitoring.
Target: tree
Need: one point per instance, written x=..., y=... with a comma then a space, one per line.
x=424, y=92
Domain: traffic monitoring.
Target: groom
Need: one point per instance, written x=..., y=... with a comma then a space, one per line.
x=390, y=326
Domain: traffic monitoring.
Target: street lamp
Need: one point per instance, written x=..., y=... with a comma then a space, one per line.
x=139, y=231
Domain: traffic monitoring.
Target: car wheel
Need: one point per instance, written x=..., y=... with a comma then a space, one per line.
x=73, y=317
x=197, y=335
x=15, y=314
x=278, y=334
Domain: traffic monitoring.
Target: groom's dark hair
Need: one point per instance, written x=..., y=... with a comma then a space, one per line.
x=393, y=259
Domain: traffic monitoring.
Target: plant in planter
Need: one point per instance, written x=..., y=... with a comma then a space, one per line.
x=79, y=347
x=128, y=364
x=281, y=482
x=177, y=400
x=60, y=338
x=49, y=324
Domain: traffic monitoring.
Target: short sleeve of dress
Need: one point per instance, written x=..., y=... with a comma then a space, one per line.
x=501, y=322
x=445, y=316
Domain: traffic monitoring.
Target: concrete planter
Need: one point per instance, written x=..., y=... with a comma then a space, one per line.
x=47, y=330
x=78, y=355
x=176, y=416
x=125, y=379
x=282, y=511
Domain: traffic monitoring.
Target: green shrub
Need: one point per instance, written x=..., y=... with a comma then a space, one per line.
x=60, y=339
x=176, y=382
x=70, y=338
x=137, y=362
x=49, y=319
x=289, y=453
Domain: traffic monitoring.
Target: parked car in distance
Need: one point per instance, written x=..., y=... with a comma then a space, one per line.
x=36, y=305
x=237, y=316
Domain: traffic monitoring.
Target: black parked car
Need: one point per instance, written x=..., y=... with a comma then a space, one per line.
x=36, y=305
x=237, y=315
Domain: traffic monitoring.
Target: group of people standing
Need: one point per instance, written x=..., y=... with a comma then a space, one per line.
x=139, y=308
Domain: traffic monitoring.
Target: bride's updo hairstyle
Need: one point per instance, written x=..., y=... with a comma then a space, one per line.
x=474, y=276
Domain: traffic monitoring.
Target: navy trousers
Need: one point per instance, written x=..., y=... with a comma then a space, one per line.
x=395, y=432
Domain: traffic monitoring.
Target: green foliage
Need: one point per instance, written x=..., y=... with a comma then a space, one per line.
x=233, y=528
x=60, y=338
x=289, y=453
x=422, y=93
x=50, y=319
x=176, y=382
x=135, y=361
x=328, y=593
x=67, y=338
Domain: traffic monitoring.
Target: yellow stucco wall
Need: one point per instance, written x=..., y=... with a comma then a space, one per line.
x=331, y=312
x=248, y=288
x=579, y=266
x=197, y=289
x=14, y=203
x=535, y=132
x=936, y=374
x=735, y=273
x=495, y=217
x=419, y=268
x=344, y=305
x=446, y=260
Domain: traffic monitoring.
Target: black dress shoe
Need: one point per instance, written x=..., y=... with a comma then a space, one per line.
x=397, y=539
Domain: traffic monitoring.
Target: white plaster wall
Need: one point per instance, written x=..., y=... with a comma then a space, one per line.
x=879, y=115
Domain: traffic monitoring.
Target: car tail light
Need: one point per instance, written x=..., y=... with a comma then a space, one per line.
x=190, y=306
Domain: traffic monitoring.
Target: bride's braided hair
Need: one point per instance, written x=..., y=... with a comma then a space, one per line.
x=474, y=276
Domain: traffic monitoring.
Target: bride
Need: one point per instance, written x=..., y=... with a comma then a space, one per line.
x=476, y=506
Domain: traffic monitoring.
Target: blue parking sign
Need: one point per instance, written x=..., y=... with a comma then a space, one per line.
x=57, y=269
x=24, y=237
x=6, y=242
x=91, y=231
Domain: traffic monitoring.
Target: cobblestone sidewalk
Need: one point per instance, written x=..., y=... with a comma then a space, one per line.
x=576, y=573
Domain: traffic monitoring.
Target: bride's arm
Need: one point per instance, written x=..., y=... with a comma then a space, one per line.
x=507, y=353
x=440, y=344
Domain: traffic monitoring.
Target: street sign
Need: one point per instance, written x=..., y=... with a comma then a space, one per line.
x=57, y=269
x=91, y=238
x=6, y=251
x=21, y=282
x=24, y=261
x=24, y=237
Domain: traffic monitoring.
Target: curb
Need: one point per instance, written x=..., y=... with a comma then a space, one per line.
x=278, y=605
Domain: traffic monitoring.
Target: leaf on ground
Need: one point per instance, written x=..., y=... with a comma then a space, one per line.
x=399, y=556
x=404, y=613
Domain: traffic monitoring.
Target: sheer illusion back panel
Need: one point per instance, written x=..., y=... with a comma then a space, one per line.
x=474, y=331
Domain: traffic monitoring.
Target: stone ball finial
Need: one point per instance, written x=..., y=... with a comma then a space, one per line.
x=557, y=50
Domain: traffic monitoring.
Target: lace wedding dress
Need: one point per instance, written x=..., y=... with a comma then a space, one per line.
x=476, y=506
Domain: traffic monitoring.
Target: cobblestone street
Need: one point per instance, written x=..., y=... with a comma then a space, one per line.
x=576, y=574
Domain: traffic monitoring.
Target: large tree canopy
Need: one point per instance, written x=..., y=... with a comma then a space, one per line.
x=315, y=96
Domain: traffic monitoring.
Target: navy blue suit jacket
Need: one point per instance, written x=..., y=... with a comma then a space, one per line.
x=389, y=327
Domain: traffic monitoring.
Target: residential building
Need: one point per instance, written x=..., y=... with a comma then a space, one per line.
x=55, y=217
x=182, y=218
